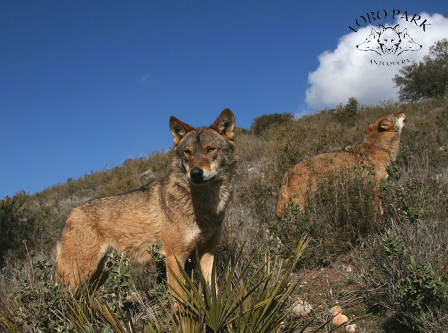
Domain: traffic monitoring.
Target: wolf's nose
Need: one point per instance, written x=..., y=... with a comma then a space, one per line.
x=196, y=174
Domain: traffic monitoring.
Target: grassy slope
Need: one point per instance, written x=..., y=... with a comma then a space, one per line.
x=418, y=195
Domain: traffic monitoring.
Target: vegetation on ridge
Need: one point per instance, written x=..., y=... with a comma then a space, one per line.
x=389, y=268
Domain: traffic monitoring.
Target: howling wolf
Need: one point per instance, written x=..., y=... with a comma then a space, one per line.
x=379, y=149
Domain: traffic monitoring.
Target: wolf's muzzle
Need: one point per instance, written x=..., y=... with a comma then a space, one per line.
x=197, y=175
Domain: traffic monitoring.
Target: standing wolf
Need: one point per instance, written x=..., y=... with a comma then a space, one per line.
x=183, y=211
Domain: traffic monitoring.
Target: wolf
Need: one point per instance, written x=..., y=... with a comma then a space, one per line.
x=182, y=212
x=407, y=43
x=378, y=150
x=371, y=43
x=389, y=39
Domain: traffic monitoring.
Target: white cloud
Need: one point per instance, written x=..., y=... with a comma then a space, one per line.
x=347, y=71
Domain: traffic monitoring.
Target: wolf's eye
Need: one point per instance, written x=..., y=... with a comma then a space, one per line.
x=211, y=149
x=187, y=152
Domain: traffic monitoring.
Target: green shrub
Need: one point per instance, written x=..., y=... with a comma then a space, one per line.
x=260, y=124
x=117, y=289
x=422, y=288
x=349, y=113
x=37, y=303
x=18, y=225
x=158, y=289
x=409, y=201
x=407, y=277
x=427, y=78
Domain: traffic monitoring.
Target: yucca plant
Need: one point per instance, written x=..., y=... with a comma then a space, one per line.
x=244, y=301
x=79, y=309
x=112, y=318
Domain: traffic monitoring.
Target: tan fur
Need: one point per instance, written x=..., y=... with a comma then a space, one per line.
x=379, y=149
x=182, y=211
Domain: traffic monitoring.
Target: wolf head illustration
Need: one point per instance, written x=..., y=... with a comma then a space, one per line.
x=389, y=39
x=371, y=43
x=407, y=43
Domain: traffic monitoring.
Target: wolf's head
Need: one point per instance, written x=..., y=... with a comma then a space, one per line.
x=385, y=133
x=388, y=123
x=205, y=154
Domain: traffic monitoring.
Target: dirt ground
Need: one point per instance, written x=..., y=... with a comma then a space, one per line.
x=335, y=285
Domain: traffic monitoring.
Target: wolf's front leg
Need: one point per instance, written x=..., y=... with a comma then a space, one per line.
x=172, y=269
x=206, y=261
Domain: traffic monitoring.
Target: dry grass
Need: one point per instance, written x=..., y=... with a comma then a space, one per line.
x=415, y=202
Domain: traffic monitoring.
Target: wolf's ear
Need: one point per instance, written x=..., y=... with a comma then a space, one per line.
x=384, y=125
x=178, y=129
x=382, y=28
x=225, y=124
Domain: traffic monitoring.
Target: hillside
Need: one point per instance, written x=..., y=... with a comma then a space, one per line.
x=388, y=268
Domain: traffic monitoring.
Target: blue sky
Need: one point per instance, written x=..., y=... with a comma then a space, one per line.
x=89, y=84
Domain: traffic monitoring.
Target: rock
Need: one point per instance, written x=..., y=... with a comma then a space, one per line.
x=351, y=328
x=335, y=310
x=302, y=309
x=340, y=319
x=348, y=268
